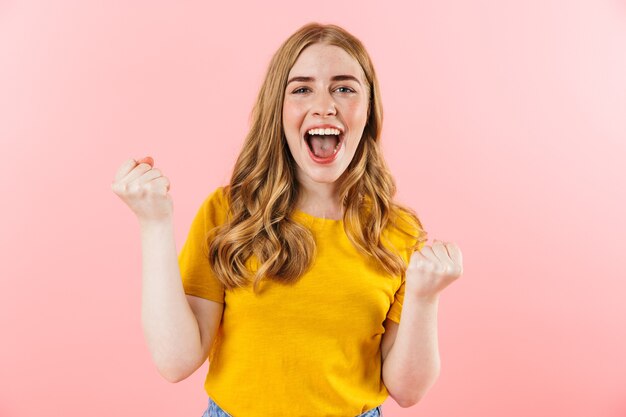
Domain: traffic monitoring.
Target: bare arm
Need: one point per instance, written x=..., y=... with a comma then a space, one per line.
x=179, y=329
x=411, y=362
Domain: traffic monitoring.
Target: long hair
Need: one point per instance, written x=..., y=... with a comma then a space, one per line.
x=263, y=190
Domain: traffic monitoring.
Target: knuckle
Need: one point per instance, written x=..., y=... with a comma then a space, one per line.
x=432, y=266
x=154, y=187
x=119, y=187
x=133, y=188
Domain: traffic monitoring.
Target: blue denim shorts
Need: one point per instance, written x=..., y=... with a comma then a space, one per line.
x=214, y=410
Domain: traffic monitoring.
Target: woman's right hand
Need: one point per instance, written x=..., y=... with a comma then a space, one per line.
x=144, y=189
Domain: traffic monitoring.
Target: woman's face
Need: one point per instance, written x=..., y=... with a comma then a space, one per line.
x=326, y=89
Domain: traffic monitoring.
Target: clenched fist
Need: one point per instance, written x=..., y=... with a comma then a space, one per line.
x=432, y=269
x=144, y=189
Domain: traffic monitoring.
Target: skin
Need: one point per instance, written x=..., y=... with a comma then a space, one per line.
x=321, y=100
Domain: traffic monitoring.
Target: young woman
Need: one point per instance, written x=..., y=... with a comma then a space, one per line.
x=294, y=275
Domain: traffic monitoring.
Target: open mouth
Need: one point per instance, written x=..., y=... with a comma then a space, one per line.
x=323, y=148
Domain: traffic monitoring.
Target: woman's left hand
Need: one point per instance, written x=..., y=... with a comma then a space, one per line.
x=432, y=269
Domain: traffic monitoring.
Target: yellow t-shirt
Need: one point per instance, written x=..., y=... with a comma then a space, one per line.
x=309, y=349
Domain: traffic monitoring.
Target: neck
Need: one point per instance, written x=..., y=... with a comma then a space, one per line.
x=320, y=199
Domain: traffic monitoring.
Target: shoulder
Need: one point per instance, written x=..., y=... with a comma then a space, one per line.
x=405, y=221
x=215, y=206
x=218, y=198
x=405, y=229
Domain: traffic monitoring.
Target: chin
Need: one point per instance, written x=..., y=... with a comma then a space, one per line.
x=324, y=178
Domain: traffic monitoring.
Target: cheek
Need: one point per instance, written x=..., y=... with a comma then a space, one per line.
x=357, y=111
x=292, y=114
x=291, y=125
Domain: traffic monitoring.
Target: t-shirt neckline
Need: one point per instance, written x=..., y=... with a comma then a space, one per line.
x=303, y=215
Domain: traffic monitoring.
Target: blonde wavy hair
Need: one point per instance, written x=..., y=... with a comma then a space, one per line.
x=263, y=189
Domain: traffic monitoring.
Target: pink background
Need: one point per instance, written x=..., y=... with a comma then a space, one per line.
x=505, y=128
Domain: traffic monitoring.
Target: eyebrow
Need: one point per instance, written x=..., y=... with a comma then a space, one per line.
x=334, y=78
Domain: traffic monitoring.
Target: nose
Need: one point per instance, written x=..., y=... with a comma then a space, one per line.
x=324, y=105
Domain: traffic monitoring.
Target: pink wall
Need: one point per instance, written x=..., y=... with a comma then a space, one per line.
x=505, y=127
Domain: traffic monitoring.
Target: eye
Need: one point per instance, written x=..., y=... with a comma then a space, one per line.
x=348, y=90
x=300, y=89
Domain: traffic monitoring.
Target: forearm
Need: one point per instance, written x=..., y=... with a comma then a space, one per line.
x=412, y=364
x=170, y=327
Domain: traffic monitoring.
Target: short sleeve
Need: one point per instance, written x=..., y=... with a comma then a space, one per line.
x=195, y=270
x=395, y=311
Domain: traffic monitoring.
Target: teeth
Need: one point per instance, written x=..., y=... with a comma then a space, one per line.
x=321, y=131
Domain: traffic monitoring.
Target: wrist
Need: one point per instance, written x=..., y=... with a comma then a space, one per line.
x=155, y=224
x=423, y=299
